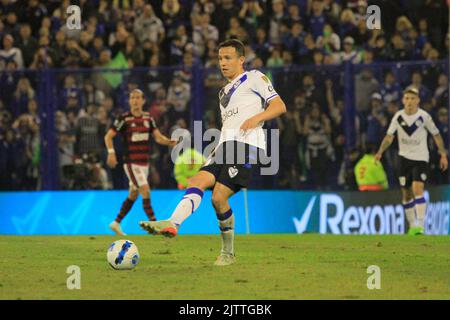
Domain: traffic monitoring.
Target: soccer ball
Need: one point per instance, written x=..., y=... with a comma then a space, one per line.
x=123, y=255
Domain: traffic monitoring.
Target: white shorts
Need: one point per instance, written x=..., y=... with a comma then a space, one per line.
x=137, y=175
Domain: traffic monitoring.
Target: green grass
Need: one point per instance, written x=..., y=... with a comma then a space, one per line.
x=268, y=267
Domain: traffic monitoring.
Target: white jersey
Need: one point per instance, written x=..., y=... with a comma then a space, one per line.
x=412, y=134
x=247, y=95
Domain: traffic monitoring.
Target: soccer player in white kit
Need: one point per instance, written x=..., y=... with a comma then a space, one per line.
x=246, y=102
x=412, y=125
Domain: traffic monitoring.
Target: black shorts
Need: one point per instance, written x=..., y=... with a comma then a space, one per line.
x=233, y=169
x=411, y=170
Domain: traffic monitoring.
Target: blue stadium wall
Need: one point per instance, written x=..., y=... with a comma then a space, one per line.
x=90, y=212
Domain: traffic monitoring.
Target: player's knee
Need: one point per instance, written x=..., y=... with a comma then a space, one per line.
x=418, y=190
x=144, y=191
x=408, y=195
x=133, y=194
x=218, y=202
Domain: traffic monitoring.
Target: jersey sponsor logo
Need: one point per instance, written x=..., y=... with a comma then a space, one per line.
x=353, y=219
x=232, y=172
x=410, y=142
x=270, y=88
x=136, y=137
x=229, y=113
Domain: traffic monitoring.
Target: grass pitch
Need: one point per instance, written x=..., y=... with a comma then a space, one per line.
x=268, y=267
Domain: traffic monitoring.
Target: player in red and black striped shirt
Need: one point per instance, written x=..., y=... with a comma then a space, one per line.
x=135, y=127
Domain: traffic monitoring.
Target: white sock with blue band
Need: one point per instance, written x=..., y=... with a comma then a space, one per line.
x=421, y=208
x=410, y=212
x=188, y=204
x=226, y=225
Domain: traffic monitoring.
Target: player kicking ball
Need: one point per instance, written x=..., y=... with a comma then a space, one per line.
x=412, y=124
x=135, y=127
x=245, y=103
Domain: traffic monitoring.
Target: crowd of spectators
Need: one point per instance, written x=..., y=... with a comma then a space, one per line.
x=280, y=35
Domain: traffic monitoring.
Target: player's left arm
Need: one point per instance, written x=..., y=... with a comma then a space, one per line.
x=162, y=139
x=443, y=163
x=275, y=108
x=431, y=127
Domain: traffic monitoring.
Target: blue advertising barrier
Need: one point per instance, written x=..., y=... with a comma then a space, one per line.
x=90, y=212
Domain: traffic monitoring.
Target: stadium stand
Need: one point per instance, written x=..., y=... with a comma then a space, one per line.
x=341, y=81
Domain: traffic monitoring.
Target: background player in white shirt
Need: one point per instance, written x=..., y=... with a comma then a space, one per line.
x=246, y=102
x=412, y=126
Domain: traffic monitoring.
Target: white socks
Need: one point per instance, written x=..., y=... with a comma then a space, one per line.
x=226, y=225
x=410, y=213
x=421, y=209
x=187, y=206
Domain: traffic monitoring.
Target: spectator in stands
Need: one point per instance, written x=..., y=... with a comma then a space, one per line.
x=10, y=53
x=27, y=44
x=252, y=15
x=319, y=150
x=88, y=133
x=276, y=20
x=349, y=52
x=23, y=94
x=179, y=94
x=8, y=82
x=390, y=90
x=365, y=85
x=172, y=14
x=376, y=121
x=149, y=26
x=202, y=33
x=329, y=41
x=424, y=92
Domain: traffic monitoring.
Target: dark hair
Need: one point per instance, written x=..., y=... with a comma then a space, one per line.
x=235, y=43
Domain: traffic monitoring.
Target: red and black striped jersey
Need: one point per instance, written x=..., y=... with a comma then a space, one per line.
x=135, y=133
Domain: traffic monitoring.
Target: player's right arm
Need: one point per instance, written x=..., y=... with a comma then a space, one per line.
x=387, y=141
x=112, y=159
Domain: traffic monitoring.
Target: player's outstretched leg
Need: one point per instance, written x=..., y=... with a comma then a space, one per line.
x=169, y=228
x=188, y=204
x=126, y=207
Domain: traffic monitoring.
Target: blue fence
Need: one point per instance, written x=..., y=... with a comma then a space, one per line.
x=90, y=212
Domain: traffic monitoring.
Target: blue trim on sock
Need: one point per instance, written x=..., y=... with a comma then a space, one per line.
x=409, y=205
x=224, y=216
x=420, y=200
x=195, y=191
x=192, y=202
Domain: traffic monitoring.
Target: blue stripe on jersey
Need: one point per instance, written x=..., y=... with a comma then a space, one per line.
x=225, y=98
x=412, y=128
